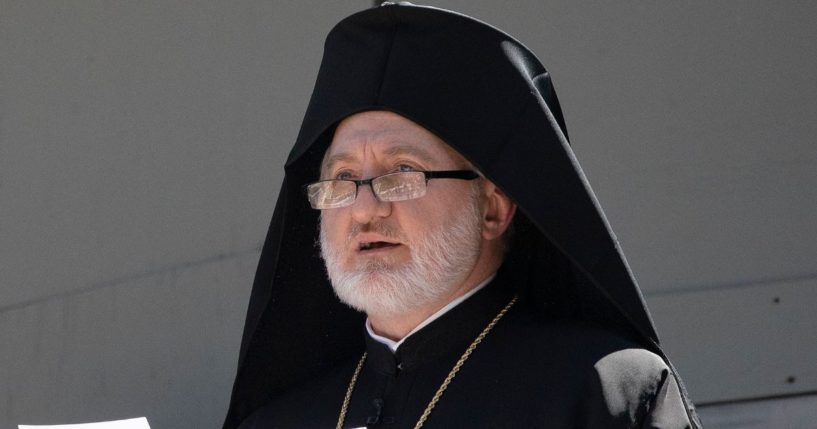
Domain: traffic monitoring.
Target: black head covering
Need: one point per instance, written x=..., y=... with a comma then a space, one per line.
x=488, y=97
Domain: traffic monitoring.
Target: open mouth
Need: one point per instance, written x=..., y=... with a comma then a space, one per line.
x=376, y=245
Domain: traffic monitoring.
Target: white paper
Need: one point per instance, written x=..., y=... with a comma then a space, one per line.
x=139, y=423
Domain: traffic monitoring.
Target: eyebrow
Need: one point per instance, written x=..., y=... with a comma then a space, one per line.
x=394, y=151
x=329, y=162
x=411, y=150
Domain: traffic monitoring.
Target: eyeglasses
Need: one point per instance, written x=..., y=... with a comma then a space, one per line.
x=400, y=186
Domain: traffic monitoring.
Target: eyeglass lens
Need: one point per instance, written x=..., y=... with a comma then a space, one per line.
x=400, y=186
x=329, y=194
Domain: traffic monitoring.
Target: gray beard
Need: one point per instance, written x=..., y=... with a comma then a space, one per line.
x=440, y=262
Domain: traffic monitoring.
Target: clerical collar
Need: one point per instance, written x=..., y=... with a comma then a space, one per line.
x=393, y=345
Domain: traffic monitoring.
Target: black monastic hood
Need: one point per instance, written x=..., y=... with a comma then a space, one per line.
x=488, y=97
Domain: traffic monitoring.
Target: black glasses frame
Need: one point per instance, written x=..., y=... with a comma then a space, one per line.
x=439, y=174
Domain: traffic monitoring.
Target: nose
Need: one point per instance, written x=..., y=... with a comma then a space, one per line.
x=367, y=207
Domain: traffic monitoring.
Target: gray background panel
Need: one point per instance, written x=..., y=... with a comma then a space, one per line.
x=162, y=345
x=797, y=412
x=747, y=342
x=142, y=135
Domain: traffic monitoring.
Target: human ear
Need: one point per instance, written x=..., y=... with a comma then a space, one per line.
x=498, y=212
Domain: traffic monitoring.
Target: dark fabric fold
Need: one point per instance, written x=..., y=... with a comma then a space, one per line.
x=487, y=96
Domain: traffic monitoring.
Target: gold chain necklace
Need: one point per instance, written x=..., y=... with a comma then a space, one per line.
x=442, y=387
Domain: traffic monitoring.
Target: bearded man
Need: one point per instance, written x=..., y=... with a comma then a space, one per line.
x=457, y=232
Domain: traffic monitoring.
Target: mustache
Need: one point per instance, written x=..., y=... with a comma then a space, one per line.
x=382, y=228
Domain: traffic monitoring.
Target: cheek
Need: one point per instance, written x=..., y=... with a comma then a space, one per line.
x=331, y=225
x=429, y=214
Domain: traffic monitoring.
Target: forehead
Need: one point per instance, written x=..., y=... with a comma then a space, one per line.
x=385, y=134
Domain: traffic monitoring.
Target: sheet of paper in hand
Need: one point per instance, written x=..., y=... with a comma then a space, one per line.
x=139, y=423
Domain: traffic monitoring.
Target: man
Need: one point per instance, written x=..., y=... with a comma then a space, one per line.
x=433, y=170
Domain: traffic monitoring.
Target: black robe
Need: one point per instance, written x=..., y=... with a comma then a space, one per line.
x=530, y=371
x=489, y=98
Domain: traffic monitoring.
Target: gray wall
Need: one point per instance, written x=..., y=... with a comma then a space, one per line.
x=141, y=146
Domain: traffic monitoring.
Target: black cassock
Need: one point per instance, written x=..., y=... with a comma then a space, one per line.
x=579, y=348
x=529, y=371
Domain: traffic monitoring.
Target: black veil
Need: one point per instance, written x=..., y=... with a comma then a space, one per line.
x=486, y=95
